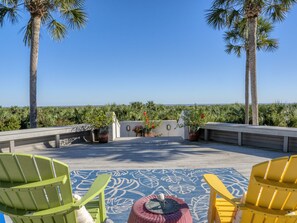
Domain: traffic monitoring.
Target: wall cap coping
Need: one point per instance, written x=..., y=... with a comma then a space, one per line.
x=244, y=128
x=40, y=132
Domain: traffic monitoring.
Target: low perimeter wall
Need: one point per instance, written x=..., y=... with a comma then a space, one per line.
x=167, y=128
x=271, y=137
x=53, y=136
x=43, y=137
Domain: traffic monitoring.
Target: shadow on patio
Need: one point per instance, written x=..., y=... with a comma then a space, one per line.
x=147, y=150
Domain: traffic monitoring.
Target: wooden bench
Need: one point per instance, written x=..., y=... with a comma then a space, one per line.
x=9, y=138
x=284, y=132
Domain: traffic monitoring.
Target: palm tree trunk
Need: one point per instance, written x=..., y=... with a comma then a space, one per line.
x=33, y=70
x=247, y=88
x=252, y=23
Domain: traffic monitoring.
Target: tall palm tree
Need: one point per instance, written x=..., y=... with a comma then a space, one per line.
x=236, y=39
x=224, y=12
x=42, y=13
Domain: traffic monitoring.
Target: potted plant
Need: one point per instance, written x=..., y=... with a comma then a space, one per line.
x=149, y=125
x=194, y=120
x=138, y=129
x=103, y=134
x=100, y=120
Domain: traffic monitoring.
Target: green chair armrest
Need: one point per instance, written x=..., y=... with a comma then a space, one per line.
x=97, y=187
x=7, y=186
x=217, y=185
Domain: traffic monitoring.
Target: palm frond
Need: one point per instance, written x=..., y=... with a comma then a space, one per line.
x=75, y=17
x=9, y=13
x=229, y=48
x=27, y=33
x=227, y=3
x=232, y=36
x=286, y=4
x=10, y=3
x=236, y=37
x=278, y=9
x=224, y=13
x=233, y=17
x=217, y=18
x=236, y=49
x=46, y=18
x=276, y=12
x=219, y=3
x=264, y=42
x=264, y=26
x=68, y=3
x=268, y=45
x=57, y=30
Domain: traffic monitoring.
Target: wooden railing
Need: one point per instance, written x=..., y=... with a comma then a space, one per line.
x=261, y=136
x=11, y=139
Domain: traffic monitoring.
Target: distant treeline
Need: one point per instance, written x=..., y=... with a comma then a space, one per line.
x=269, y=114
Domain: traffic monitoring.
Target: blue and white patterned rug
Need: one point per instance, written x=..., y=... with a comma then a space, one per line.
x=127, y=186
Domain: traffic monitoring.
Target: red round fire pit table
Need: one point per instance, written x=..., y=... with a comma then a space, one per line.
x=140, y=214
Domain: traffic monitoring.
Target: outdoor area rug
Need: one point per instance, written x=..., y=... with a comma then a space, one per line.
x=127, y=186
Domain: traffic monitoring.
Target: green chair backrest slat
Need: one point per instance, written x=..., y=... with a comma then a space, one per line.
x=66, y=190
x=12, y=168
x=30, y=171
x=46, y=172
x=70, y=218
x=14, y=174
x=34, y=199
x=3, y=173
x=48, y=220
x=5, y=199
x=16, y=220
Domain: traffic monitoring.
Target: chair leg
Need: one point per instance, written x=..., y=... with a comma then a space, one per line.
x=212, y=206
x=102, y=208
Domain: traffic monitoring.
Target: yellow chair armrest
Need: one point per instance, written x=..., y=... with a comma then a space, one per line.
x=292, y=214
x=217, y=185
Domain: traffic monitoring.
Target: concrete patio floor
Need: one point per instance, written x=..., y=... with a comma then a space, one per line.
x=162, y=152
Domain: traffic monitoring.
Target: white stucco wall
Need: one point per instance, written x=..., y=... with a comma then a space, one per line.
x=160, y=130
x=114, y=129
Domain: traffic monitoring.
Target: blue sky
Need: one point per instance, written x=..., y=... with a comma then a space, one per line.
x=141, y=50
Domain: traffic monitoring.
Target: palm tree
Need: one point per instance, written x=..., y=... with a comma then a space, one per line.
x=42, y=13
x=224, y=13
x=237, y=41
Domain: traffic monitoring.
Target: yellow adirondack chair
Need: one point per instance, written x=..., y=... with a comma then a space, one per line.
x=271, y=196
x=36, y=189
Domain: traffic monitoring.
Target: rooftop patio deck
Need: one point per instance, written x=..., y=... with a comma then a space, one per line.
x=162, y=152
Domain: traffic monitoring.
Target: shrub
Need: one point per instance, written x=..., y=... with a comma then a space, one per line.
x=276, y=114
x=97, y=117
x=9, y=121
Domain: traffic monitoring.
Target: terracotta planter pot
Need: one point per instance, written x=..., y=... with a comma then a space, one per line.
x=193, y=136
x=138, y=134
x=103, y=137
x=148, y=134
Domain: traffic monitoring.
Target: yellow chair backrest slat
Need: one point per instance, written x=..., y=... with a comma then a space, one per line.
x=274, y=172
x=254, y=190
x=278, y=172
x=290, y=176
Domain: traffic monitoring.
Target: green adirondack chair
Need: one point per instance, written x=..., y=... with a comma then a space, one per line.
x=36, y=189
